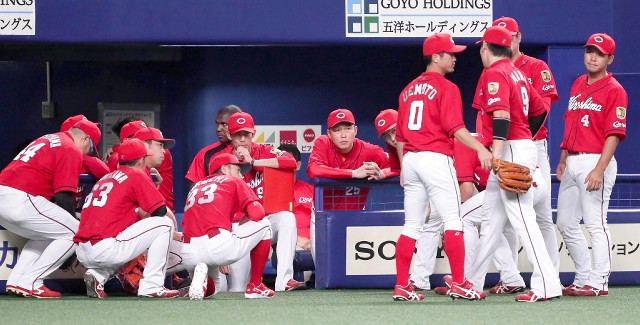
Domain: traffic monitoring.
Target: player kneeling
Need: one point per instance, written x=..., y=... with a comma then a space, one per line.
x=209, y=241
x=112, y=231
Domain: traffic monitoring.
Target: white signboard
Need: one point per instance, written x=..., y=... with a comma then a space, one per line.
x=417, y=18
x=372, y=251
x=301, y=136
x=18, y=17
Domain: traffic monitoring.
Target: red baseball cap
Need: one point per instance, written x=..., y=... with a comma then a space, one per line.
x=438, y=43
x=225, y=159
x=129, y=129
x=339, y=116
x=132, y=149
x=70, y=122
x=241, y=121
x=603, y=42
x=91, y=129
x=509, y=23
x=497, y=35
x=386, y=120
x=154, y=134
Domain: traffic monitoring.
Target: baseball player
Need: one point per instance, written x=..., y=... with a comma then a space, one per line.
x=283, y=224
x=595, y=121
x=340, y=155
x=126, y=131
x=112, y=232
x=510, y=113
x=47, y=169
x=427, y=244
x=198, y=169
x=209, y=240
x=429, y=115
x=543, y=83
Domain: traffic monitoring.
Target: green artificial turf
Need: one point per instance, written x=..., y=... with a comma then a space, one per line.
x=323, y=307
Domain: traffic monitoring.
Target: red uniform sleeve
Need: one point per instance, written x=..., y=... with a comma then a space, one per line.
x=147, y=196
x=245, y=197
x=496, y=91
x=328, y=172
x=537, y=105
x=112, y=163
x=616, y=117
x=543, y=82
x=95, y=166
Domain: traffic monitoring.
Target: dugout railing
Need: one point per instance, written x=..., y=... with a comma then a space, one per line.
x=356, y=248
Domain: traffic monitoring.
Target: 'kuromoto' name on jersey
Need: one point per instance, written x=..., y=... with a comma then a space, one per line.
x=588, y=104
x=420, y=89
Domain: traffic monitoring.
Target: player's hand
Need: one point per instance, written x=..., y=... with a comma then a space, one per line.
x=486, y=158
x=303, y=243
x=594, y=180
x=177, y=236
x=401, y=179
x=373, y=171
x=242, y=153
x=361, y=172
x=153, y=171
x=560, y=170
x=225, y=269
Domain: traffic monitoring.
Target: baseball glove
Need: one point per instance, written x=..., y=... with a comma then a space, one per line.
x=515, y=177
x=130, y=274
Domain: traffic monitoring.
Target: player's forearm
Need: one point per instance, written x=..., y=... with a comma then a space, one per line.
x=468, y=140
x=466, y=191
x=400, y=151
x=609, y=148
x=324, y=171
x=496, y=148
x=563, y=157
x=279, y=162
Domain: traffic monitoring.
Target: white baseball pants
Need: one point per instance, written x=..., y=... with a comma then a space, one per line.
x=152, y=234
x=49, y=230
x=544, y=215
x=574, y=203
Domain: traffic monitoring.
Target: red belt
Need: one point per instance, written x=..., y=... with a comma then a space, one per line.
x=211, y=233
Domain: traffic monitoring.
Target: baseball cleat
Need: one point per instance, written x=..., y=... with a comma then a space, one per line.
x=531, y=297
x=465, y=290
x=406, y=293
x=589, y=291
x=94, y=288
x=295, y=285
x=448, y=280
x=501, y=288
x=570, y=290
x=198, y=285
x=259, y=291
x=162, y=293
x=18, y=291
x=44, y=292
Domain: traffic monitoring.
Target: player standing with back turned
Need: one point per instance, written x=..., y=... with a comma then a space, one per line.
x=429, y=116
x=595, y=122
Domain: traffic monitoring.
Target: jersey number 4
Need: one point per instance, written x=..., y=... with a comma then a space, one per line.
x=102, y=191
x=28, y=152
x=208, y=194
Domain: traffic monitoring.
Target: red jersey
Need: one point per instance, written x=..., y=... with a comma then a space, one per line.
x=542, y=82
x=166, y=187
x=213, y=202
x=594, y=112
x=429, y=113
x=324, y=154
x=94, y=166
x=468, y=167
x=112, y=162
x=199, y=168
x=503, y=87
x=394, y=161
x=110, y=207
x=48, y=165
x=255, y=178
x=303, y=195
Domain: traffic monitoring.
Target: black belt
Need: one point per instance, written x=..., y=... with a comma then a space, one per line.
x=211, y=233
x=575, y=153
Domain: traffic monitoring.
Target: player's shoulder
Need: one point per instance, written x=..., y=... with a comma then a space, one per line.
x=367, y=146
x=304, y=184
x=616, y=84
